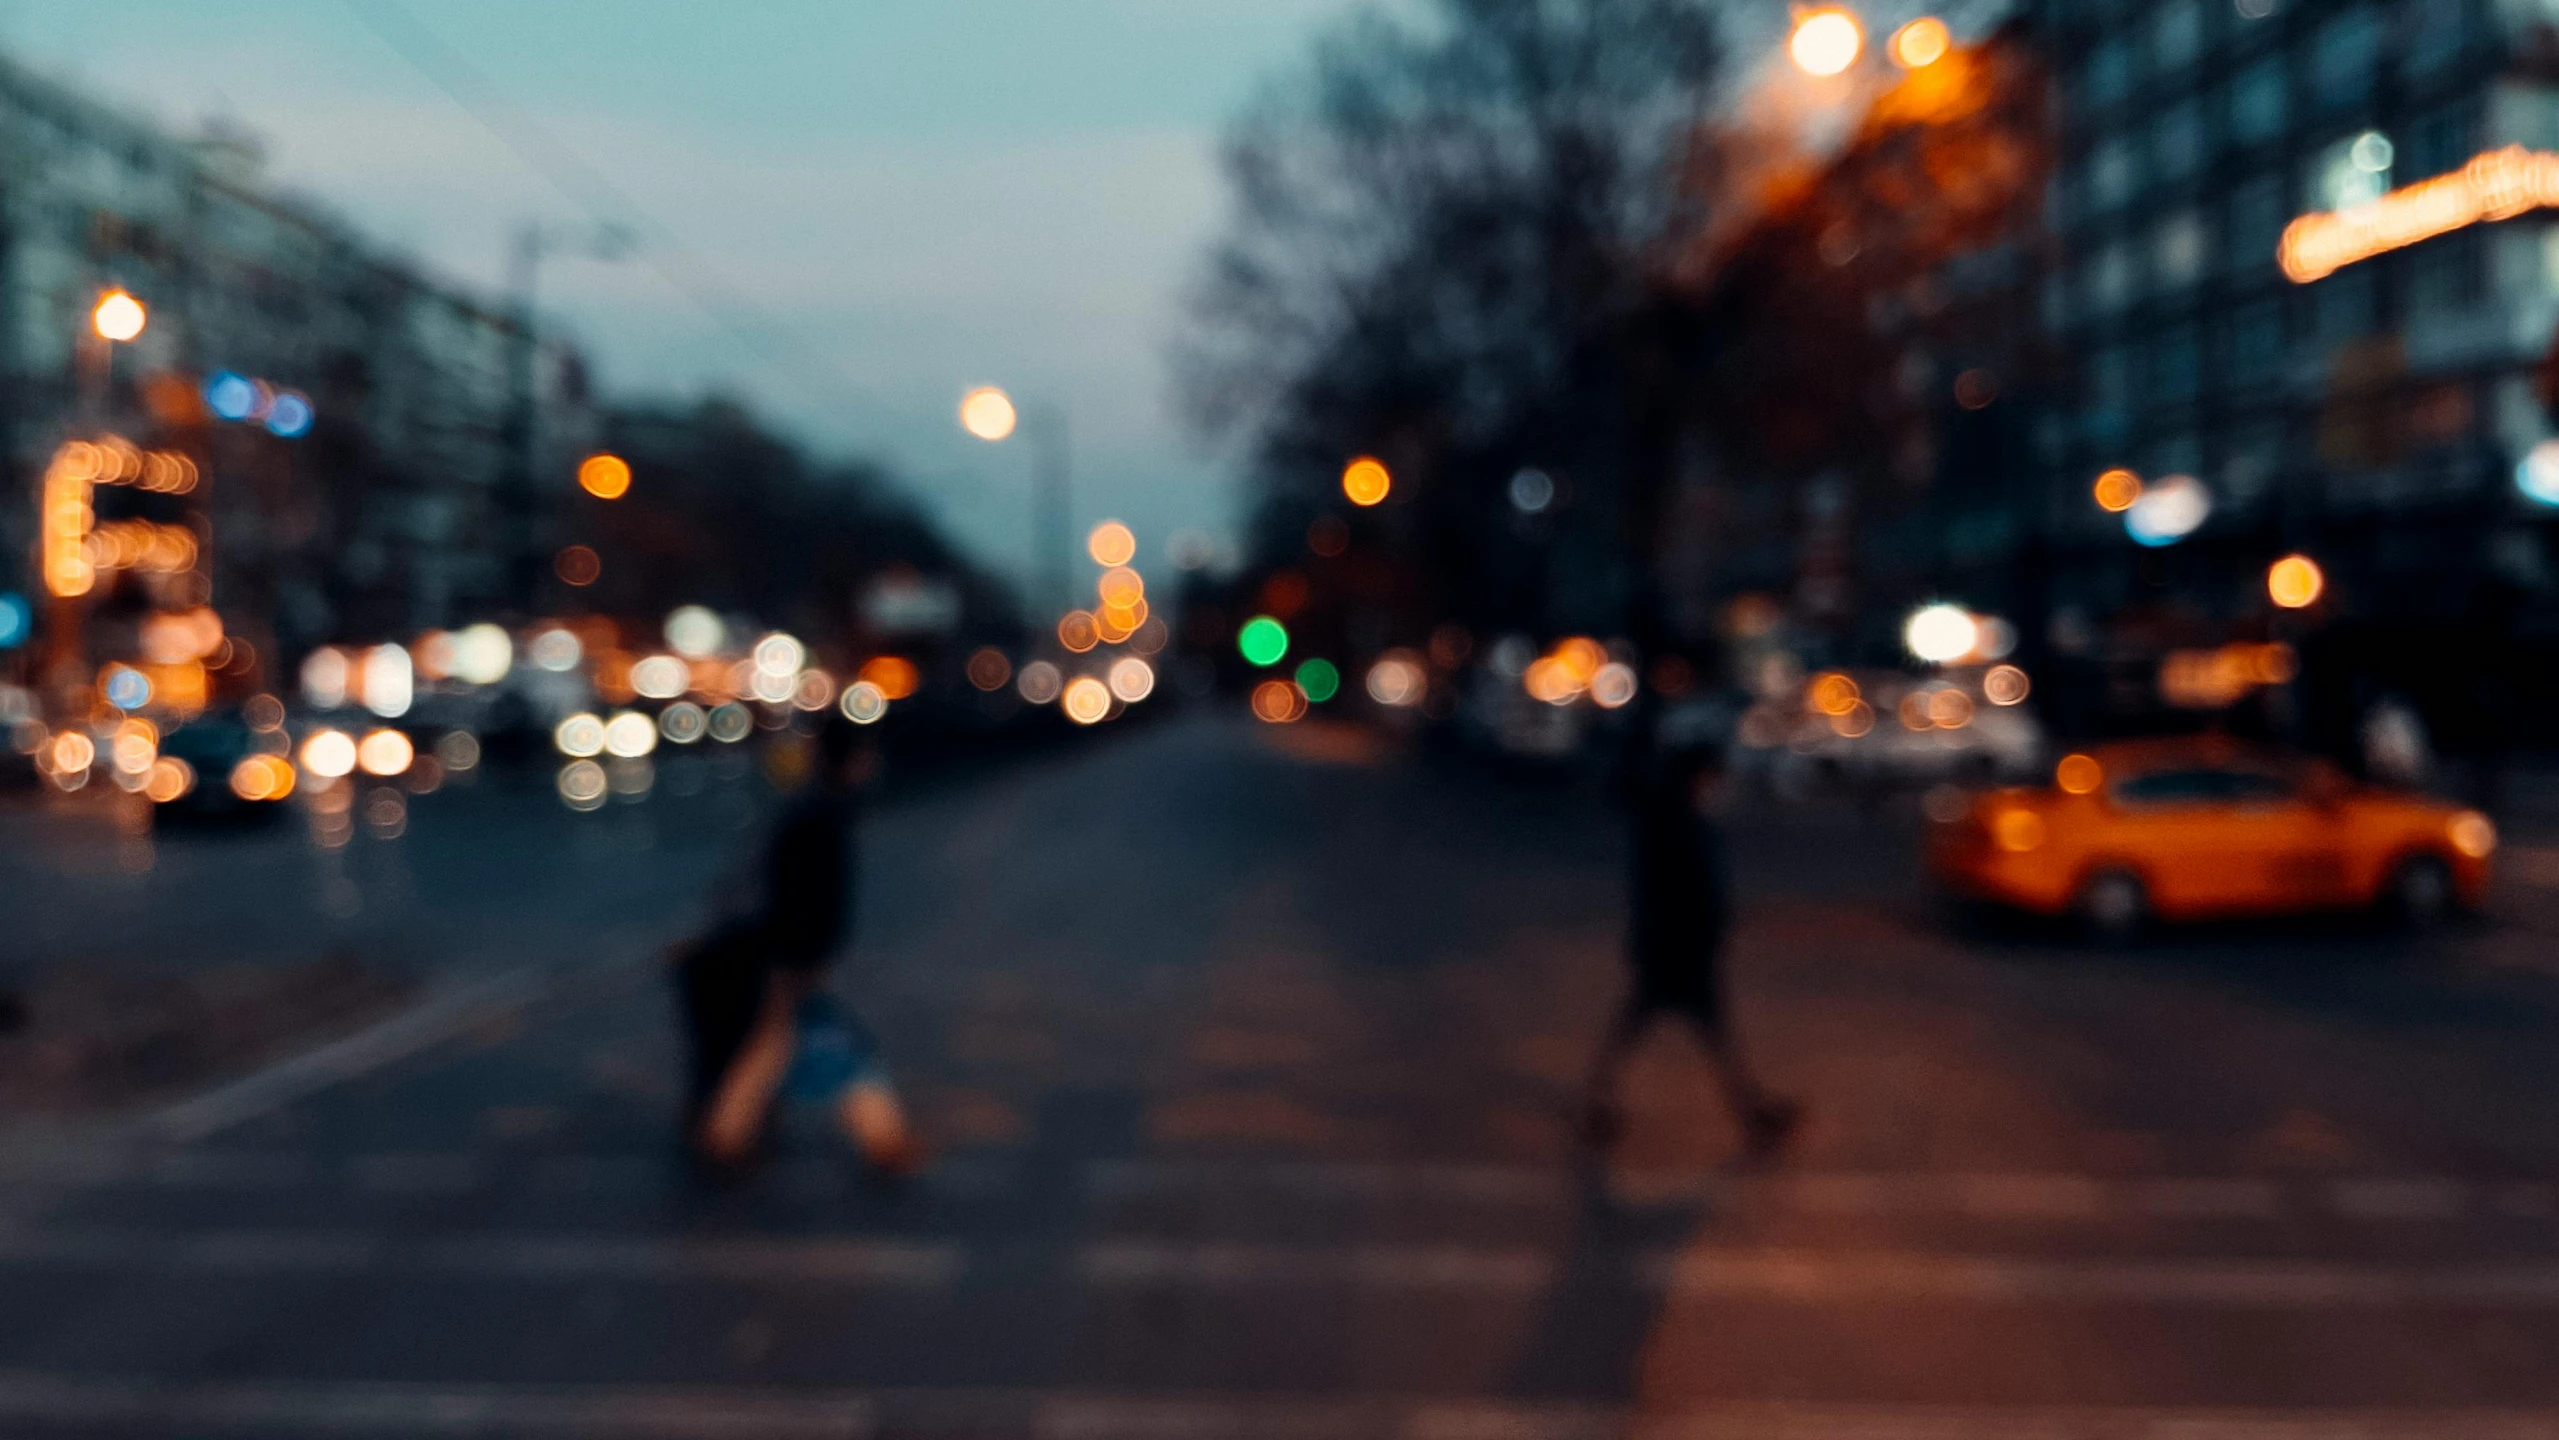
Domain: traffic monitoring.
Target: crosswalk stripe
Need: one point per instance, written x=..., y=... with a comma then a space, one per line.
x=815, y=1260
x=2019, y=1197
x=370, y=1408
x=1706, y=1273
x=1702, y=1273
x=1694, y=1274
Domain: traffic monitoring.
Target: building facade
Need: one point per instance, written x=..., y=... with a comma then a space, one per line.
x=388, y=512
x=2373, y=418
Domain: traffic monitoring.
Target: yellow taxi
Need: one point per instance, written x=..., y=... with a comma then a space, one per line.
x=2203, y=828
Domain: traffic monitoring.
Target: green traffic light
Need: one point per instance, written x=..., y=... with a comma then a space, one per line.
x=1319, y=680
x=1263, y=640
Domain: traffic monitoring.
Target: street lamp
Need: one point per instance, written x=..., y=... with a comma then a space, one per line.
x=1826, y=42
x=1921, y=43
x=989, y=414
x=2295, y=582
x=119, y=317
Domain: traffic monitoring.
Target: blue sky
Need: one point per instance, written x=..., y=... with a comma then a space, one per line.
x=933, y=193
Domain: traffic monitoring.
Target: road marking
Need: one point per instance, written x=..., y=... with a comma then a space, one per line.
x=1399, y=1267
x=389, y=1409
x=2018, y=1198
x=1790, y=1276
x=431, y=1022
x=2219, y=1284
x=1801, y=1276
x=365, y=1408
x=820, y=1260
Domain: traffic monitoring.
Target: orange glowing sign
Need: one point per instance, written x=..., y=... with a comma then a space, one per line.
x=2496, y=185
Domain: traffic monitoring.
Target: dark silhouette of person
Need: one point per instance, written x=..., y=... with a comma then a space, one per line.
x=755, y=1005
x=1680, y=904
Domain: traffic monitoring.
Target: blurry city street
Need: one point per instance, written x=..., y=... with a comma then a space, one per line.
x=1248, y=1063
x=1386, y=719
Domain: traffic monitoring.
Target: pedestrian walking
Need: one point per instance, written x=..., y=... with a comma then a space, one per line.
x=1679, y=898
x=759, y=1019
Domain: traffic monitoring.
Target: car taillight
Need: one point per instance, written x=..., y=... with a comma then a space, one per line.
x=2017, y=831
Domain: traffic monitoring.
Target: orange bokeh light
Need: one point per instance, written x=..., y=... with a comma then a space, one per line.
x=989, y=669
x=894, y=676
x=1111, y=543
x=1122, y=588
x=1278, y=702
x=606, y=477
x=2497, y=185
x=2116, y=490
x=1365, y=481
x=2079, y=775
x=1826, y=42
x=1921, y=43
x=1078, y=632
x=2295, y=582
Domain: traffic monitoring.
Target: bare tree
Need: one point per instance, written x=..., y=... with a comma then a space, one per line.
x=1449, y=239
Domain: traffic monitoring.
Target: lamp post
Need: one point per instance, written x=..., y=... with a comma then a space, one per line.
x=990, y=415
x=519, y=436
x=1826, y=42
x=116, y=318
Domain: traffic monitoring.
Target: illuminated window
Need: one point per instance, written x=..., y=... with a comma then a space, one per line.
x=2113, y=173
x=2438, y=29
x=2177, y=249
x=2110, y=279
x=2353, y=171
x=2257, y=101
x=2176, y=34
x=2344, y=57
x=2107, y=72
x=2178, y=454
x=2176, y=367
x=2109, y=396
x=2443, y=275
x=2250, y=463
x=2256, y=342
x=2439, y=143
x=2346, y=304
x=2257, y=219
x=2177, y=142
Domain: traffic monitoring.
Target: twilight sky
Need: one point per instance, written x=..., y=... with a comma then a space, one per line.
x=932, y=193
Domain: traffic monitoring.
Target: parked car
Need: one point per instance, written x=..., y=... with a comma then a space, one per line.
x=2199, y=828
x=1882, y=730
x=215, y=746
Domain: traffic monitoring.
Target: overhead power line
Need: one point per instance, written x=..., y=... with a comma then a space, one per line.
x=604, y=202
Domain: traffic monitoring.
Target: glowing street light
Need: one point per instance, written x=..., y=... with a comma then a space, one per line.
x=119, y=317
x=1111, y=544
x=988, y=413
x=2295, y=582
x=1826, y=42
x=1365, y=481
x=1921, y=43
x=1941, y=633
x=605, y=476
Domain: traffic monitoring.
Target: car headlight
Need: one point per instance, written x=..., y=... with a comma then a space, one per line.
x=2473, y=834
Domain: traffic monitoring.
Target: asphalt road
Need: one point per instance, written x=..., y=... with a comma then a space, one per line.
x=1247, y=1054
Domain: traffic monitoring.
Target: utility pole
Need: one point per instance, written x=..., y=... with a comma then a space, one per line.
x=524, y=535
x=518, y=488
x=1053, y=525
